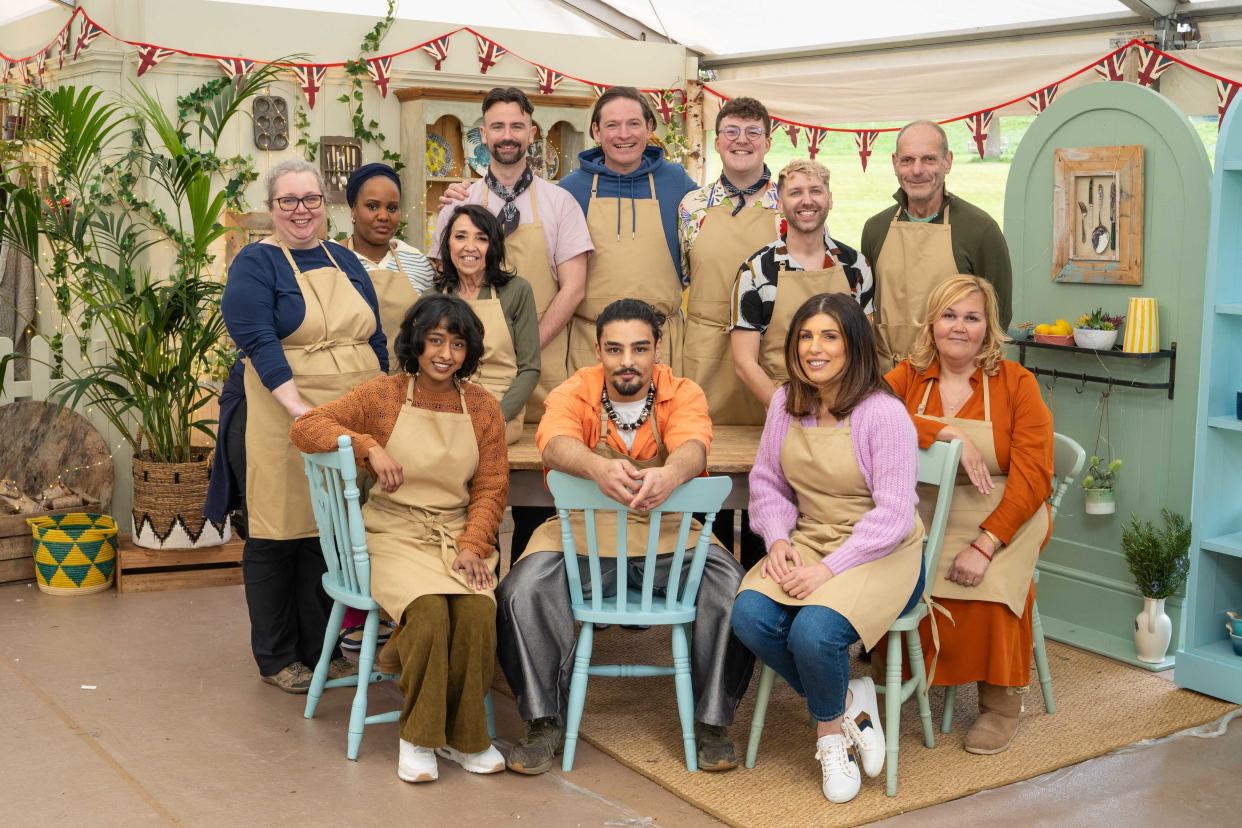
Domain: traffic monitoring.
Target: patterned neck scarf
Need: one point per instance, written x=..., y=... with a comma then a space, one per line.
x=740, y=195
x=509, y=215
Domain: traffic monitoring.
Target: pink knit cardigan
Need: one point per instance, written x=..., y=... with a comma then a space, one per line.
x=886, y=447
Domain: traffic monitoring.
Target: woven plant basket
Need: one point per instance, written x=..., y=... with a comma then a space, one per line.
x=74, y=554
x=169, y=500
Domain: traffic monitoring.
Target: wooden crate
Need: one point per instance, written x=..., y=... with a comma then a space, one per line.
x=17, y=546
x=152, y=570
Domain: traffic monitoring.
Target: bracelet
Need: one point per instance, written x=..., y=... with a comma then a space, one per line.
x=979, y=549
x=996, y=541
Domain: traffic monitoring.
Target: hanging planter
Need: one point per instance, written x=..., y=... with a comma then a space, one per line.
x=1099, y=484
x=1101, y=501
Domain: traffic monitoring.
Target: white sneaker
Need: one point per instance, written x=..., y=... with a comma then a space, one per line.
x=842, y=778
x=485, y=761
x=417, y=764
x=862, y=725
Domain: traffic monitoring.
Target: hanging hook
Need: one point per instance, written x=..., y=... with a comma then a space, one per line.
x=1082, y=384
x=1109, y=392
x=1052, y=385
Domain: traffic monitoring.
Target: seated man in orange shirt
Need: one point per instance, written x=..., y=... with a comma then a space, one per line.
x=639, y=432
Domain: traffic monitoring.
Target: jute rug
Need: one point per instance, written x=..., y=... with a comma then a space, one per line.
x=1102, y=705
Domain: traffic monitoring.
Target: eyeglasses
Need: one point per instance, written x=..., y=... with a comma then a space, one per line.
x=752, y=133
x=290, y=203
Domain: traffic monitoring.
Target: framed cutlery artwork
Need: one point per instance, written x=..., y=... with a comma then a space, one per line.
x=1097, y=225
x=338, y=157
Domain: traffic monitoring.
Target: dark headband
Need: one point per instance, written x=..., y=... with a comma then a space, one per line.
x=367, y=171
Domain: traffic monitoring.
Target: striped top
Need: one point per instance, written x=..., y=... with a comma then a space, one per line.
x=414, y=264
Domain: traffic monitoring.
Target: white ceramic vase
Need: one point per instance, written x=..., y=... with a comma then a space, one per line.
x=1153, y=630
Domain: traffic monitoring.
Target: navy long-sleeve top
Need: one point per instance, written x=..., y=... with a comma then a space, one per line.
x=263, y=304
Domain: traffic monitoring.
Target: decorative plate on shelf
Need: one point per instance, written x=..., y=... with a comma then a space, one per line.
x=477, y=155
x=439, y=156
x=547, y=166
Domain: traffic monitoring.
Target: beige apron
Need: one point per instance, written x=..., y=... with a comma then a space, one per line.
x=547, y=538
x=915, y=258
x=411, y=533
x=395, y=294
x=1008, y=577
x=498, y=366
x=329, y=354
x=633, y=262
x=724, y=242
x=526, y=253
x=793, y=287
x=833, y=497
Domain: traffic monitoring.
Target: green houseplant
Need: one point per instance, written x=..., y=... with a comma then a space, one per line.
x=1098, y=485
x=1159, y=560
x=106, y=206
x=1097, y=330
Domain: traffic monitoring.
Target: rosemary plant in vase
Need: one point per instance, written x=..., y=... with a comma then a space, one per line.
x=1159, y=560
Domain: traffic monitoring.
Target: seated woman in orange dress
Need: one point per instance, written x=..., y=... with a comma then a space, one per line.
x=957, y=385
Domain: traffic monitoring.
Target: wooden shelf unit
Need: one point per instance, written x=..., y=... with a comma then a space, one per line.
x=1205, y=659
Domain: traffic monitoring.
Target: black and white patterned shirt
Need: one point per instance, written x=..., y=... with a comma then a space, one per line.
x=754, y=290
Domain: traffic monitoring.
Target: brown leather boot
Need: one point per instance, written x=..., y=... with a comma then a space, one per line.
x=388, y=660
x=999, y=708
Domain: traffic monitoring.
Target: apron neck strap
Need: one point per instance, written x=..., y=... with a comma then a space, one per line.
x=923, y=402
x=284, y=248
x=328, y=253
x=409, y=392
x=900, y=209
x=987, y=397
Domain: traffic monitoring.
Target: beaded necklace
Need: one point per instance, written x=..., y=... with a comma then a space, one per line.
x=616, y=420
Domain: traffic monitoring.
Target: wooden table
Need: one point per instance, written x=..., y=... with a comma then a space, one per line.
x=732, y=454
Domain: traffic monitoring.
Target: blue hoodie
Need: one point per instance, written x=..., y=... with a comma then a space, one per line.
x=671, y=184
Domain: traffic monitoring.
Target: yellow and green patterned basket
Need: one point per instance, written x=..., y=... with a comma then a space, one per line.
x=74, y=554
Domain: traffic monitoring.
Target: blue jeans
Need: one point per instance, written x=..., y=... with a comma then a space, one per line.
x=807, y=646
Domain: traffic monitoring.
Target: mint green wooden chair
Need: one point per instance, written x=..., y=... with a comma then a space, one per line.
x=1068, y=460
x=634, y=604
x=333, y=479
x=938, y=466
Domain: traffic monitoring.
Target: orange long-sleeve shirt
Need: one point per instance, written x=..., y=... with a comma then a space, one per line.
x=1022, y=433
x=572, y=410
x=368, y=413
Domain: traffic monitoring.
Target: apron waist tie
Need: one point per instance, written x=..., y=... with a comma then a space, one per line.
x=932, y=609
x=326, y=344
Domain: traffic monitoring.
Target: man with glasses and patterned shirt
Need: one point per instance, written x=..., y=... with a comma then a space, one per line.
x=721, y=226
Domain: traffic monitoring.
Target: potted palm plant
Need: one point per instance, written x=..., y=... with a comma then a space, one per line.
x=1159, y=560
x=106, y=205
x=1098, y=486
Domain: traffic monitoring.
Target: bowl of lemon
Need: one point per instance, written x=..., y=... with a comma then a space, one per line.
x=1058, y=333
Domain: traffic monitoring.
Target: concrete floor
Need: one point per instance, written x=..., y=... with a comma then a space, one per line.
x=145, y=709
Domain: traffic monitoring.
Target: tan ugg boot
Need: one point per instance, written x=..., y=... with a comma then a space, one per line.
x=387, y=660
x=999, y=708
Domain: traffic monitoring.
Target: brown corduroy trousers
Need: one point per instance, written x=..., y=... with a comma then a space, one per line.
x=447, y=646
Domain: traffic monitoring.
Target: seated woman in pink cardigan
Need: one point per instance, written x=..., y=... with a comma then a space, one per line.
x=832, y=494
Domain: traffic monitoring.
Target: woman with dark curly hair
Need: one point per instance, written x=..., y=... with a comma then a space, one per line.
x=435, y=444
x=472, y=255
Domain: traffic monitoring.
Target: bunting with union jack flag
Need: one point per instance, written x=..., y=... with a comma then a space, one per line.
x=438, y=49
x=236, y=68
x=793, y=130
x=150, y=56
x=310, y=80
x=549, y=79
x=380, y=70
x=86, y=37
x=1151, y=66
x=1113, y=67
x=1042, y=99
x=814, y=135
x=864, y=139
x=489, y=52
x=1225, y=90
x=979, y=124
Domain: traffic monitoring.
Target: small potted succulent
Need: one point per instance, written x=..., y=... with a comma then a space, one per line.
x=1098, y=486
x=1097, y=330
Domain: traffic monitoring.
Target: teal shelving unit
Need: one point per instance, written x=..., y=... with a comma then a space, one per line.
x=1206, y=661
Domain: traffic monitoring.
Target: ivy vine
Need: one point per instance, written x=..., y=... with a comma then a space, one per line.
x=367, y=129
x=301, y=122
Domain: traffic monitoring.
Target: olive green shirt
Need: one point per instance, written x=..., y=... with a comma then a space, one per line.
x=978, y=247
x=517, y=301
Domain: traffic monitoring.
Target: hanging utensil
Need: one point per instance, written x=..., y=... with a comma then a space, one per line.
x=1082, y=222
x=1099, y=236
x=1112, y=217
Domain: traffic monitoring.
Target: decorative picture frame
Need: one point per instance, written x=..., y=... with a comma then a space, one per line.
x=1097, y=221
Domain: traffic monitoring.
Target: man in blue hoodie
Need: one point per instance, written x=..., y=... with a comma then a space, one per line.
x=630, y=195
